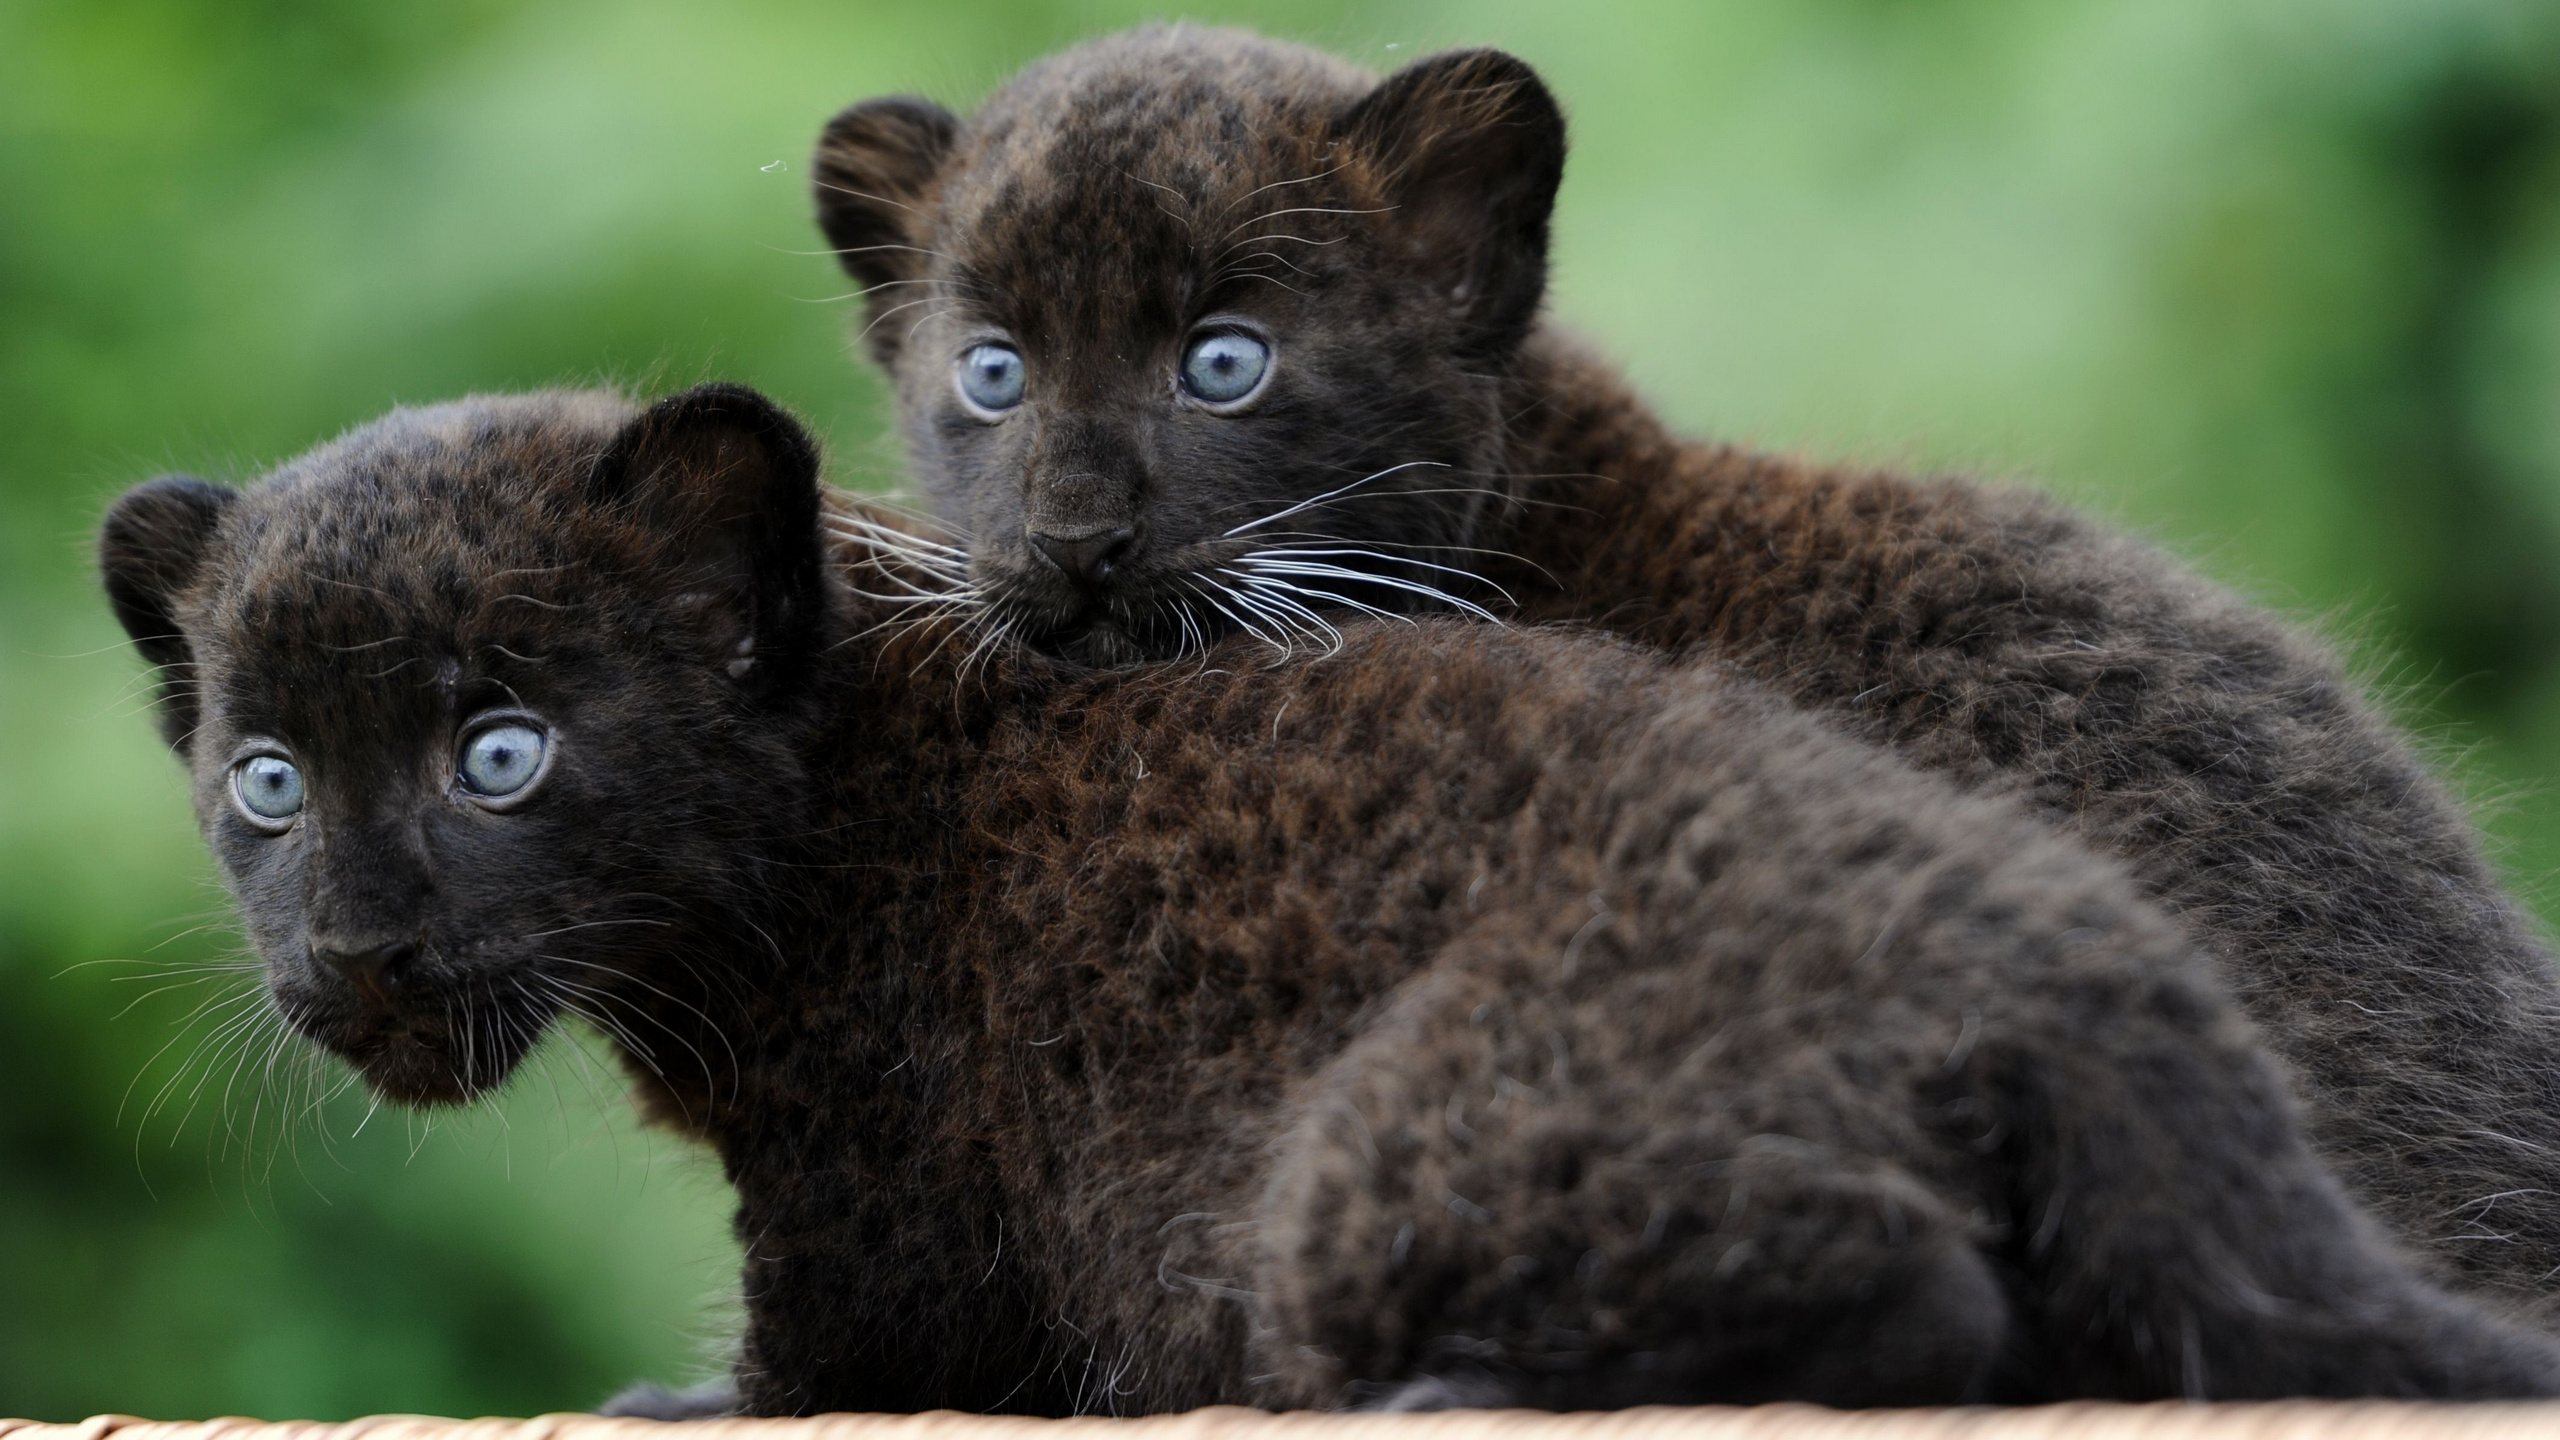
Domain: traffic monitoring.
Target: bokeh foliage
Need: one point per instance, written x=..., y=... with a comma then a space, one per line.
x=2277, y=281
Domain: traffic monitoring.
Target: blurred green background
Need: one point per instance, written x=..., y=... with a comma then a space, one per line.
x=2276, y=281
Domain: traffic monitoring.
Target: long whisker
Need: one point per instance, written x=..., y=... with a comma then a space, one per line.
x=1192, y=638
x=1278, y=184
x=1355, y=551
x=1439, y=547
x=883, y=199
x=1264, y=239
x=1274, y=597
x=1280, y=620
x=891, y=537
x=735, y=1069
x=863, y=293
x=1292, y=587
x=1492, y=492
x=1329, y=494
x=1338, y=572
x=1212, y=593
x=1304, y=210
x=865, y=332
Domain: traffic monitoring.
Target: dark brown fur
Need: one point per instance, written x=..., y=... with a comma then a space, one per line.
x=1472, y=1016
x=1102, y=207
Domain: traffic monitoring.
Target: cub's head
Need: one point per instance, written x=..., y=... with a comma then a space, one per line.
x=1193, y=332
x=483, y=705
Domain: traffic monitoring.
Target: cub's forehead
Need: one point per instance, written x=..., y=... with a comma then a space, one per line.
x=1186, y=98
x=397, y=528
x=1139, y=148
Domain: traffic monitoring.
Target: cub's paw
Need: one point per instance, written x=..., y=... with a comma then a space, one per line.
x=647, y=1400
x=1472, y=1388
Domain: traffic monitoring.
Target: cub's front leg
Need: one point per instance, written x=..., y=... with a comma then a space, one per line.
x=883, y=1289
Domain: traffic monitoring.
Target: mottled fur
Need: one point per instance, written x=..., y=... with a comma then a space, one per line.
x=1475, y=1015
x=1095, y=212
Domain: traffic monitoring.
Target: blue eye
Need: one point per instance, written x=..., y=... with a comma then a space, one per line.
x=269, y=788
x=501, y=760
x=991, y=377
x=1224, y=368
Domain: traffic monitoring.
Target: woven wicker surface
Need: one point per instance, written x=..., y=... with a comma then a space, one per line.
x=2291, y=1420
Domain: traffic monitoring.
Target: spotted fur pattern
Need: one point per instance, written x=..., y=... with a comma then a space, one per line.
x=1388, y=237
x=1474, y=1015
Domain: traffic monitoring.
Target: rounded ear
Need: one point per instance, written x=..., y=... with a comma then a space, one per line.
x=875, y=163
x=149, y=549
x=725, y=482
x=1467, y=148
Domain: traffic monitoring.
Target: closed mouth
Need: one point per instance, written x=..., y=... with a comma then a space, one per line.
x=427, y=1057
x=1291, y=596
x=1092, y=637
x=1087, y=624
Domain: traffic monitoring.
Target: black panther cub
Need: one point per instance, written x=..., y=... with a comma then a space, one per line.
x=1194, y=334
x=1470, y=1016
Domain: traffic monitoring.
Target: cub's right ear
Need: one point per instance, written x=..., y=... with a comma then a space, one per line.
x=726, y=484
x=876, y=162
x=1466, y=150
x=150, y=548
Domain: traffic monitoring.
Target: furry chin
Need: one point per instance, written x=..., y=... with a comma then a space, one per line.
x=424, y=1068
x=407, y=1073
x=1101, y=644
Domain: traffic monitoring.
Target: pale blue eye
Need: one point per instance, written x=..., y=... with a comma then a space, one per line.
x=1223, y=368
x=269, y=788
x=501, y=760
x=991, y=376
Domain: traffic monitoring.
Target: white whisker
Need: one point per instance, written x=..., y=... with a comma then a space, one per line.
x=1291, y=587
x=1212, y=594
x=1356, y=552
x=1271, y=597
x=1328, y=495
x=1338, y=572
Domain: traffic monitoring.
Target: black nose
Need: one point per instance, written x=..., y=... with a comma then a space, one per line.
x=375, y=970
x=1090, y=557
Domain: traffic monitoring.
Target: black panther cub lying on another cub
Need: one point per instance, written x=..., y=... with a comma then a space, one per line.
x=1470, y=1016
x=1195, y=333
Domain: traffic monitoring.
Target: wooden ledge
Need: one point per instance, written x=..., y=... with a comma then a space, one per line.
x=2282, y=1420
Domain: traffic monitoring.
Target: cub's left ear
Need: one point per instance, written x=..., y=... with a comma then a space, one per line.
x=726, y=485
x=150, y=548
x=876, y=165
x=1468, y=148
